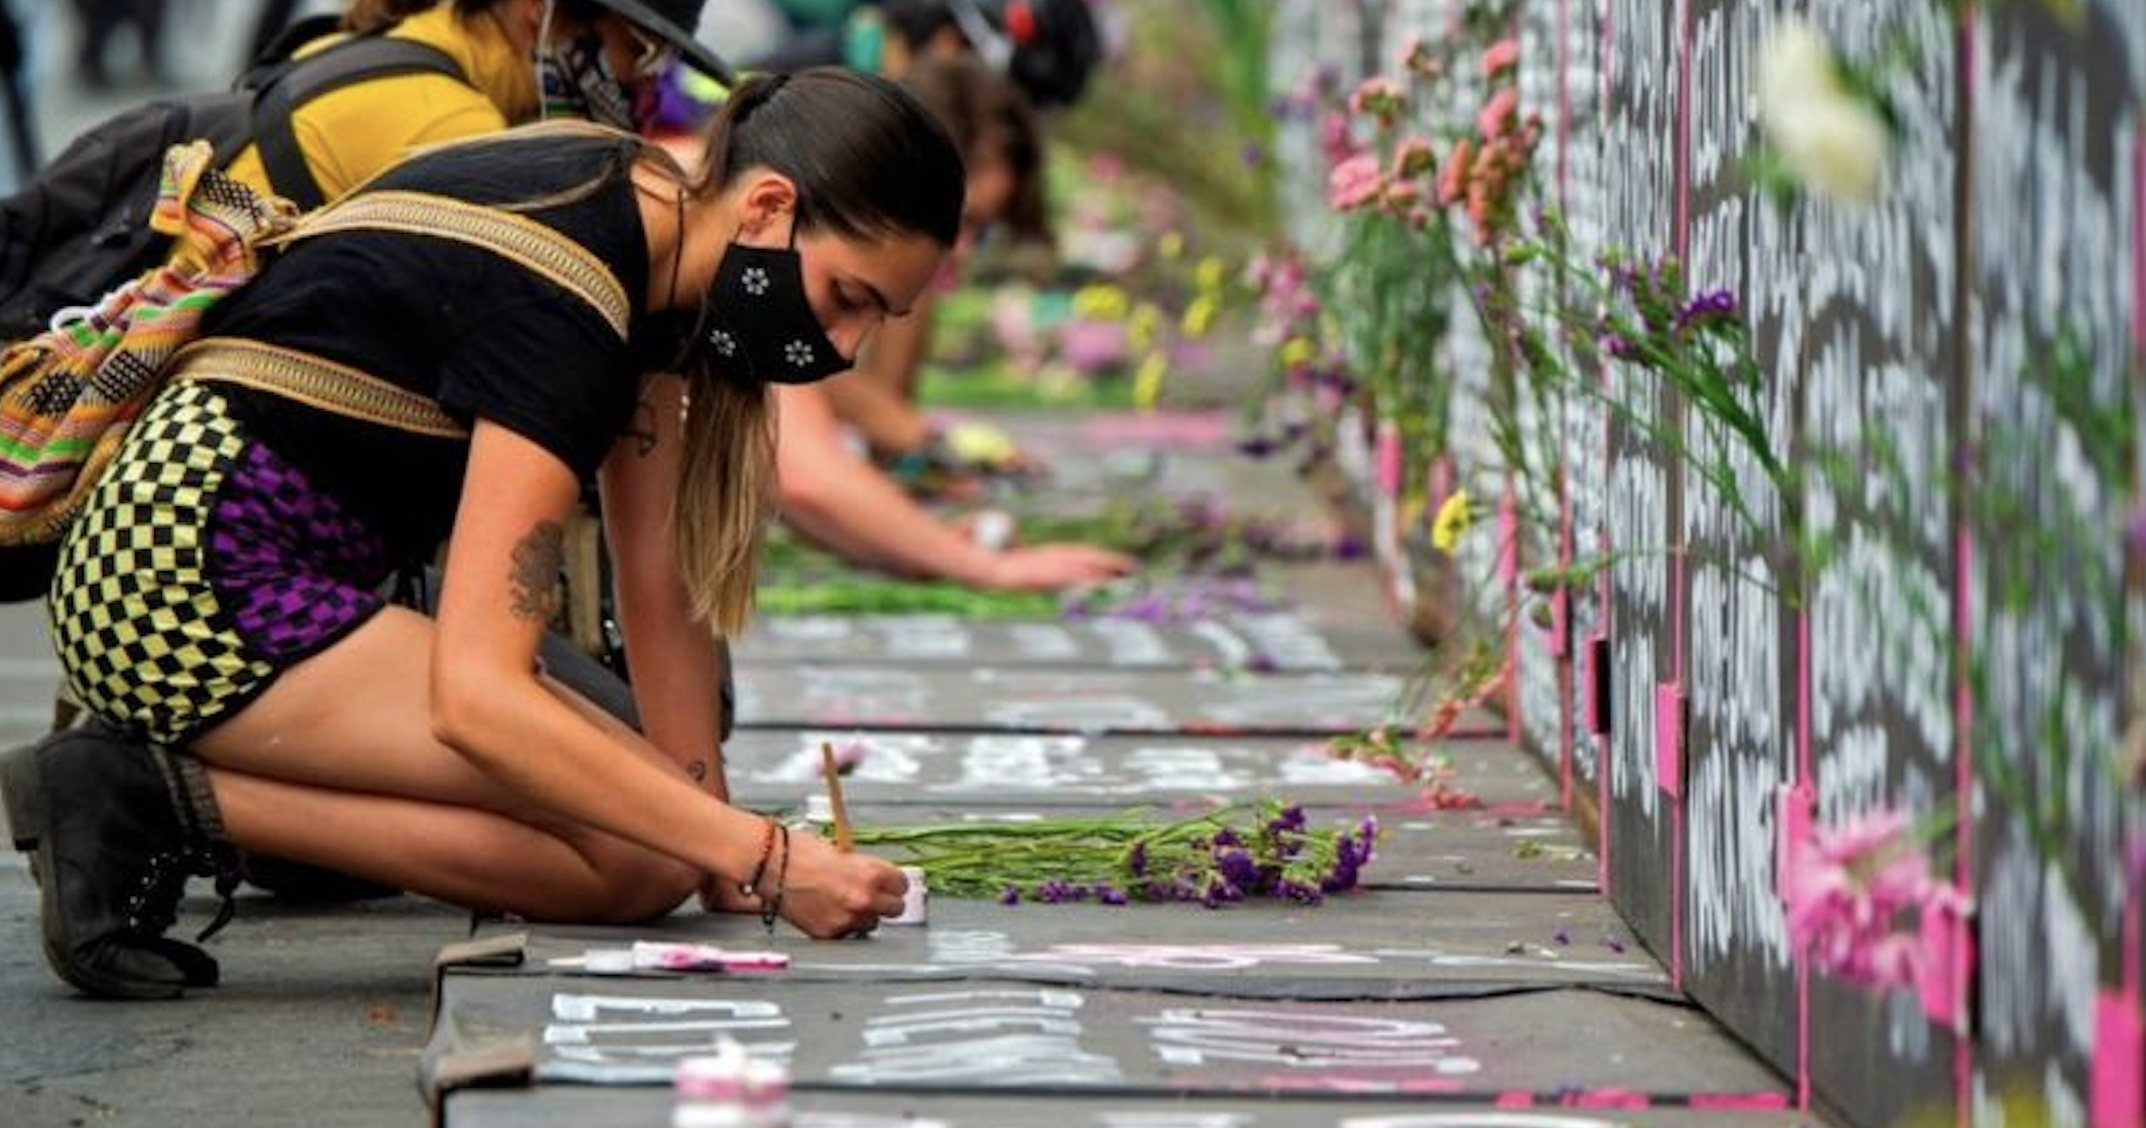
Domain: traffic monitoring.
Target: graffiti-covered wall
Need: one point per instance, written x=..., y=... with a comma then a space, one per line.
x=1931, y=605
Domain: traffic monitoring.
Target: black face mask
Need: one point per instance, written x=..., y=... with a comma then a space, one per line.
x=756, y=321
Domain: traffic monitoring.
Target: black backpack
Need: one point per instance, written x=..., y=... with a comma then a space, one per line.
x=80, y=228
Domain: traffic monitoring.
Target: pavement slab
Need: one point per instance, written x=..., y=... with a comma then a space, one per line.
x=1284, y=641
x=315, y=1000
x=1371, y=944
x=1076, y=700
x=988, y=769
x=1020, y=1039
x=610, y=1107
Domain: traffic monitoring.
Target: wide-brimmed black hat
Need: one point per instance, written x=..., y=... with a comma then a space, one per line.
x=674, y=21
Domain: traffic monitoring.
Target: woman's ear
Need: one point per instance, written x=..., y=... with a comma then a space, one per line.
x=768, y=197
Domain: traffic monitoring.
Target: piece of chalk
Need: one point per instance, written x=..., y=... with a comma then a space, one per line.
x=607, y=961
x=915, y=902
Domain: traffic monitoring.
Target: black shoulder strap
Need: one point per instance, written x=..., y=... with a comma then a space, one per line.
x=353, y=61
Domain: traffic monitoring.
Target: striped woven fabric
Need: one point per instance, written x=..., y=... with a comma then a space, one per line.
x=68, y=395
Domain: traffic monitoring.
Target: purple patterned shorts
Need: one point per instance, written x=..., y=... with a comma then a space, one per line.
x=201, y=566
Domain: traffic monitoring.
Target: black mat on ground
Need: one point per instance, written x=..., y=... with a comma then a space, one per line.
x=1287, y=641
x=582, y=1106
x=1510, y=851
x=1012, y=1038
x=1088, y=701
x=778, y=766
x=1375, y=944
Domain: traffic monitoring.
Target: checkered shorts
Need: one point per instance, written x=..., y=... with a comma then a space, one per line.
x=200, y=566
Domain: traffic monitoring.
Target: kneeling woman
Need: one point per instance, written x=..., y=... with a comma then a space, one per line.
x=217, y=593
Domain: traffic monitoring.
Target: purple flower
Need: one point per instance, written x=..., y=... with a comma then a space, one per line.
x=1288, y=820
x=1615, y=345
x=1563, y=937
x=1136, y=859
x=1613, y=944
x=1238, y=868
x=1227, y=837
x=1109, y=894
x=1052, y=891
x=1348, y=546
x=1011, y=895
x=1706, y=309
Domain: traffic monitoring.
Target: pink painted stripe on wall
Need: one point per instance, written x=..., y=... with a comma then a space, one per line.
x=1963, y=783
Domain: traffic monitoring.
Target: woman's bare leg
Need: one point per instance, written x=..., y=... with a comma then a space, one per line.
x=335, y=765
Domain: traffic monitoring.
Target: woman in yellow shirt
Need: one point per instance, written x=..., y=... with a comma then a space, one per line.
x=504, y=49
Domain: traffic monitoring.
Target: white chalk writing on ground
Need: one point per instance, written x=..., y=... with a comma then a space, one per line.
x=1306, y=1040
x=1004, y=1037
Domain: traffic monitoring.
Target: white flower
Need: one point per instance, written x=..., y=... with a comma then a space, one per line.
x=798, y=353
x=724, y=343
x=754, y=280
x=1831, y=140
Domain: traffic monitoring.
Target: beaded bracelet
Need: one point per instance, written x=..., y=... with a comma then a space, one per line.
x=767, y=847
x=771, y=906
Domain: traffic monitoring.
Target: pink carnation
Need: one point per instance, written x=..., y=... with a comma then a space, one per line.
x=1497, y=115
x=1413, y=157
x=1377, y=96
x=1502, y=56
x=1355, y=182
x=1845, y=889
x=1453, y=179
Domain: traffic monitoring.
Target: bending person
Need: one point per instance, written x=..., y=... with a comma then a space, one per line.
x=296, y=713
x=843, y=502
x=1003, y=145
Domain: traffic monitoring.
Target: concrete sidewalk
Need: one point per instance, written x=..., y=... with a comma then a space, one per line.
x=1478, y=976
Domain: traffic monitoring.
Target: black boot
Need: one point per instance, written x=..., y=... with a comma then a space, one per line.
x=114, y=828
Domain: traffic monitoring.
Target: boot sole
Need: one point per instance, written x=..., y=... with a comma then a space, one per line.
x=22, y=789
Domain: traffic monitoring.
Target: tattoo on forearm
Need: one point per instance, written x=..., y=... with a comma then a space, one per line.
x=535, y=578
x=643, y=430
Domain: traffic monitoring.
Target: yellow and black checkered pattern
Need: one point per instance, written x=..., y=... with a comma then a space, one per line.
x=133, y=614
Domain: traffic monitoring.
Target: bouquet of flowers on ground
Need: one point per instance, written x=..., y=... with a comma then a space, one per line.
x=1234, y=853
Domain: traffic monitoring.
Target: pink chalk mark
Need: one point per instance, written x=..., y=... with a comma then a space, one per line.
x=1801, y=798
x=1942, y=982
x=1608, y=1098
x=1162, y=429
x=1513, y=1099
x=1792, y=815
x=1963, y=711
x=1508, y=539
x=1669, y=738
x=2118, y=1074
x=1387, y=458
x=1747, y=1102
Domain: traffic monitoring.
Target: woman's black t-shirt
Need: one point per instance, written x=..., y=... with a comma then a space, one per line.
x=486, y=338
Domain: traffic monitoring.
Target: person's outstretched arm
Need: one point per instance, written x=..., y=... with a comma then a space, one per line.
x=879, y=397
x=836, y=499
